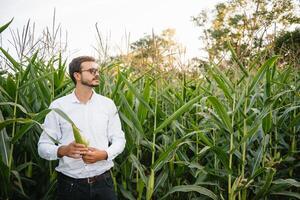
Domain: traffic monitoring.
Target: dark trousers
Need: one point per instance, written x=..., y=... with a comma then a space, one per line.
x=80, y=189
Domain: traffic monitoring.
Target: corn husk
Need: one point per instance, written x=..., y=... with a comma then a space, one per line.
x=79, y=138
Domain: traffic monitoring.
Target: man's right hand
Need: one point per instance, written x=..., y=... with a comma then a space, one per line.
x=72, y=150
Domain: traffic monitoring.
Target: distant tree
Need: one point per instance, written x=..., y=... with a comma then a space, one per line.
x=287, y=44
x=250, y=25
x=154, y=51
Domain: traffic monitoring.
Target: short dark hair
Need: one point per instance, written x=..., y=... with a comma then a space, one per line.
x=75, y=65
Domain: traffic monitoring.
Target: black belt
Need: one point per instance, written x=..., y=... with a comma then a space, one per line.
x=88, y=180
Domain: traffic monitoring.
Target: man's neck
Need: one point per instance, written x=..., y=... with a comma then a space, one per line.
x=83, y=94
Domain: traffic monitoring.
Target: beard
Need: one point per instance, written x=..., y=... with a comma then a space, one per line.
x=89, y=84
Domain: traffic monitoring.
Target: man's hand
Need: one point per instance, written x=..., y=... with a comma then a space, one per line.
x=73, y=150
x=93, y=155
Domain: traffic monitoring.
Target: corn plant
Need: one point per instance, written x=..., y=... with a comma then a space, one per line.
x=230, y=135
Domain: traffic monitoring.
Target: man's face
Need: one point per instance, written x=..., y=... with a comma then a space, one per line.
x=89, y=74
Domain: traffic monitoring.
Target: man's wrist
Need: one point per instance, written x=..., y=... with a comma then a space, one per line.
x=106, y=155
x=103, y=155
x=61, y=151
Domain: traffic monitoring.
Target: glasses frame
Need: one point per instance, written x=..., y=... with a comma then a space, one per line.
x=92, y=71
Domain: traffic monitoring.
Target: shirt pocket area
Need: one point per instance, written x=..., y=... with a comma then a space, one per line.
x=100, y=122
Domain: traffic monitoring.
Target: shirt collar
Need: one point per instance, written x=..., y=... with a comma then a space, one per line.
x=74, y=99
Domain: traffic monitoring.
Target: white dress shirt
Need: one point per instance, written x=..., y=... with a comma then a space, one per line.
x=97, y=120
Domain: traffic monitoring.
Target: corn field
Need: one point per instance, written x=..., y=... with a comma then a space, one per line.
x=232, y=133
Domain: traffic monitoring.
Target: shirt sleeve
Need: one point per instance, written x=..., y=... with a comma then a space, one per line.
x=47, y=145
x=115, y=135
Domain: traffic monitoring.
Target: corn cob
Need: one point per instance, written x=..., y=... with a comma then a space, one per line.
x=78, y=137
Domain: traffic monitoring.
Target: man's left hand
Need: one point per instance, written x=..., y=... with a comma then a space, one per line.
x=93, y=155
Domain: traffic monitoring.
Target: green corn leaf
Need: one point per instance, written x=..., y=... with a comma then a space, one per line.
x=7, y=122
x=5, y=179
x=136, y=93
x=127, y=194
x=37, y=79
x=79, y=138
x=222, y=156
x=164, y=157
x=17, y=176
x=17, y=105
x=223, y=86
x=15, y=64
x=26, y=127
x=28, y=68
x=289, y=181
x=161, y=179
x=265, y=188
x=4, y=144
x=287, y=194
x=192, y=188
x=236, y=59
x=178, y=113
x=142, y=110
x=257, y=161
x=221, y=111
x=138, y=166
x=2, y=28
x=259, y=75
x=132, y=115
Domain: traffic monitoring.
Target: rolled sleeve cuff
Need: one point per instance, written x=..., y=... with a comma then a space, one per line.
x=109, y=155
x=49, y=152
x=53, y=152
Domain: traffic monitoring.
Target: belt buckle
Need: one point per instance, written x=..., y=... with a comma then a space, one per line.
x=90, y=180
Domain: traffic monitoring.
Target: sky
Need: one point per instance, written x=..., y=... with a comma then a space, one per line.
x=136, y=18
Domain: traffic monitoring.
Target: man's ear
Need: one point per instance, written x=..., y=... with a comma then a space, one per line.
x=77, y=76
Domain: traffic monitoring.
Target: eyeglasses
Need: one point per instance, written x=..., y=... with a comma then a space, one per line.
x=92, y=71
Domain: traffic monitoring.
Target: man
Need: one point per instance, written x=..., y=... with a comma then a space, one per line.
x=83, y=172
